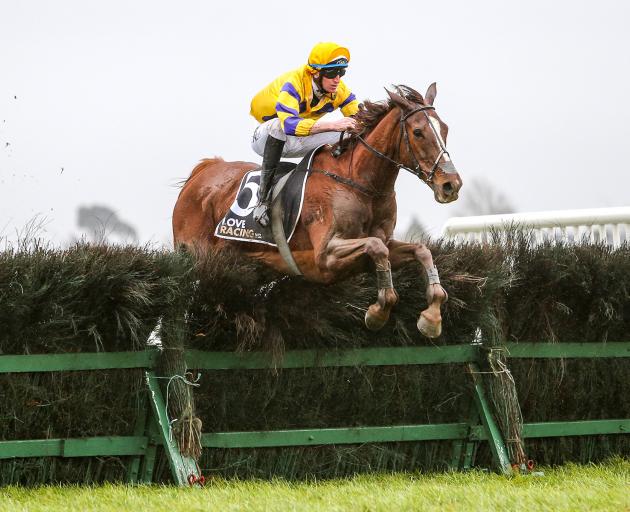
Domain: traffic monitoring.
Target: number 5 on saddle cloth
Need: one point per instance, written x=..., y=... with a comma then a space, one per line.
x=239, y=224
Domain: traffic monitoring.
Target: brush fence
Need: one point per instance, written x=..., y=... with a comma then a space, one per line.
x=152, y=429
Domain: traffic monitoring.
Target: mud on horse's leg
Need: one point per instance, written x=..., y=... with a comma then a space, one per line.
x=340, y=254
x=430, y=320
x=378, y=313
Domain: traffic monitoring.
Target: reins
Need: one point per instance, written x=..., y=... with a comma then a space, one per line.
x=427, y=177
x=404, y=134
x=347, y=181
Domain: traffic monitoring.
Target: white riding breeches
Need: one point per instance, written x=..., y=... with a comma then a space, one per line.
x=294, y=147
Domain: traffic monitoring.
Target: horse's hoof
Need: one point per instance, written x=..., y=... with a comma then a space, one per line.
x=374, y=321
x=429, y=329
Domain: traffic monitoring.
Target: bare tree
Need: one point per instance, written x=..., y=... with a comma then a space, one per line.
x=480, y=197
x=102, y=224
x=415, y=232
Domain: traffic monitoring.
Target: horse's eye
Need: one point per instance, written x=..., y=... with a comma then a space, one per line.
x=417, y=132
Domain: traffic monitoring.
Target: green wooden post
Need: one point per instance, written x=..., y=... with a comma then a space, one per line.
x=150, y=453
x=457, y=450
x=468, y=459
x=497, y=446
x=140, y=429
x=464, y=449
x=181, y=467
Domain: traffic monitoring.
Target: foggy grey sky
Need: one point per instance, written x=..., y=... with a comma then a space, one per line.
x=118, y=100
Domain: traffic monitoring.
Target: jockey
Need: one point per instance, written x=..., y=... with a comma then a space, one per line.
x=290, y=110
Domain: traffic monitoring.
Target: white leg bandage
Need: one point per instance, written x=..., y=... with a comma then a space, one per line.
x=434, y=277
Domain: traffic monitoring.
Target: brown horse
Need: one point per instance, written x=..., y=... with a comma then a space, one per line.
x=349, y=211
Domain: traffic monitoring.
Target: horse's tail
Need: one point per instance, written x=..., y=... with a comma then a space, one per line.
x=200, y=166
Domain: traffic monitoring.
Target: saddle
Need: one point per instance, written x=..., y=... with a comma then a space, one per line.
x=287, y=189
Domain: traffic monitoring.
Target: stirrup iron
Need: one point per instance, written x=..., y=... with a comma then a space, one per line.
x=261, y=214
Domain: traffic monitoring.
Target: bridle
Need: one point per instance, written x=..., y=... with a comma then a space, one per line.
x=427, y=177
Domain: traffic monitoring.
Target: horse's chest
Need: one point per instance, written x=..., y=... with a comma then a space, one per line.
x=346, y=217
x=355, y=220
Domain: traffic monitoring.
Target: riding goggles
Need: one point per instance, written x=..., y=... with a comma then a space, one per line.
x=332, y=72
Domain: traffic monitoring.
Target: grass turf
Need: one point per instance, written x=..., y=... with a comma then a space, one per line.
x=571, y=487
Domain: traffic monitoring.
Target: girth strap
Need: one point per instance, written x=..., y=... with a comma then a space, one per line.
x=347, y=181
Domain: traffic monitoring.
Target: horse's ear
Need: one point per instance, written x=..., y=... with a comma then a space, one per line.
x=399, y=100
x=429, y=97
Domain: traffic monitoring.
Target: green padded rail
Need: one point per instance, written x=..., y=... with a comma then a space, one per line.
x=328, y=436
x=78, y=361
x=381, y=356
x=378, y=356
x=77, y=447
x=568, y=350
x=576, y=428
x=403, y=433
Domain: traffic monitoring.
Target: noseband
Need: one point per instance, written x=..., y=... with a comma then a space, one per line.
x=427, y=177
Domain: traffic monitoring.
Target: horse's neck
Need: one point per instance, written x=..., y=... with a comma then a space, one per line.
x=368, y=168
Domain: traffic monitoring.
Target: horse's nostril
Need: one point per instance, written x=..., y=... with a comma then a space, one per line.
x=447, y=188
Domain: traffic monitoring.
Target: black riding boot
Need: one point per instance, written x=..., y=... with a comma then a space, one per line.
x=271, y=158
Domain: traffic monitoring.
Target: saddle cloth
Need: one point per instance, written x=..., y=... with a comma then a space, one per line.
x=239, y=224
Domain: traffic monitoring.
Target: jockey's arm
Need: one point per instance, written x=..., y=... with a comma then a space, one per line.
x=349, y=107
x=338, y=125
x=288, y=107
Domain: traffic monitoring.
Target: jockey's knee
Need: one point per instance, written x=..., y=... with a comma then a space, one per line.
x=263, y=131
x=275, y=129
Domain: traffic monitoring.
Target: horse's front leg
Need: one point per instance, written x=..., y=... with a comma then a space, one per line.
x=340, y=255
x=430, y=320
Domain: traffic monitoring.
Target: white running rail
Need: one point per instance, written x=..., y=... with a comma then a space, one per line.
x=595, y=224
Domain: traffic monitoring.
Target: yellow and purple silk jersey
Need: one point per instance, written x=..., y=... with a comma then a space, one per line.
x=290, y=99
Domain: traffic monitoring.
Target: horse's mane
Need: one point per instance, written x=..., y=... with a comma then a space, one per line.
x=371, y=112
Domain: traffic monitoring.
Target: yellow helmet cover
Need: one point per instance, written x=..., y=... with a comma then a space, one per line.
x=324, y=53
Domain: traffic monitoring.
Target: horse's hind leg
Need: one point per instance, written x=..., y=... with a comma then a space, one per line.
x=430, y=320
x=340, y=254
